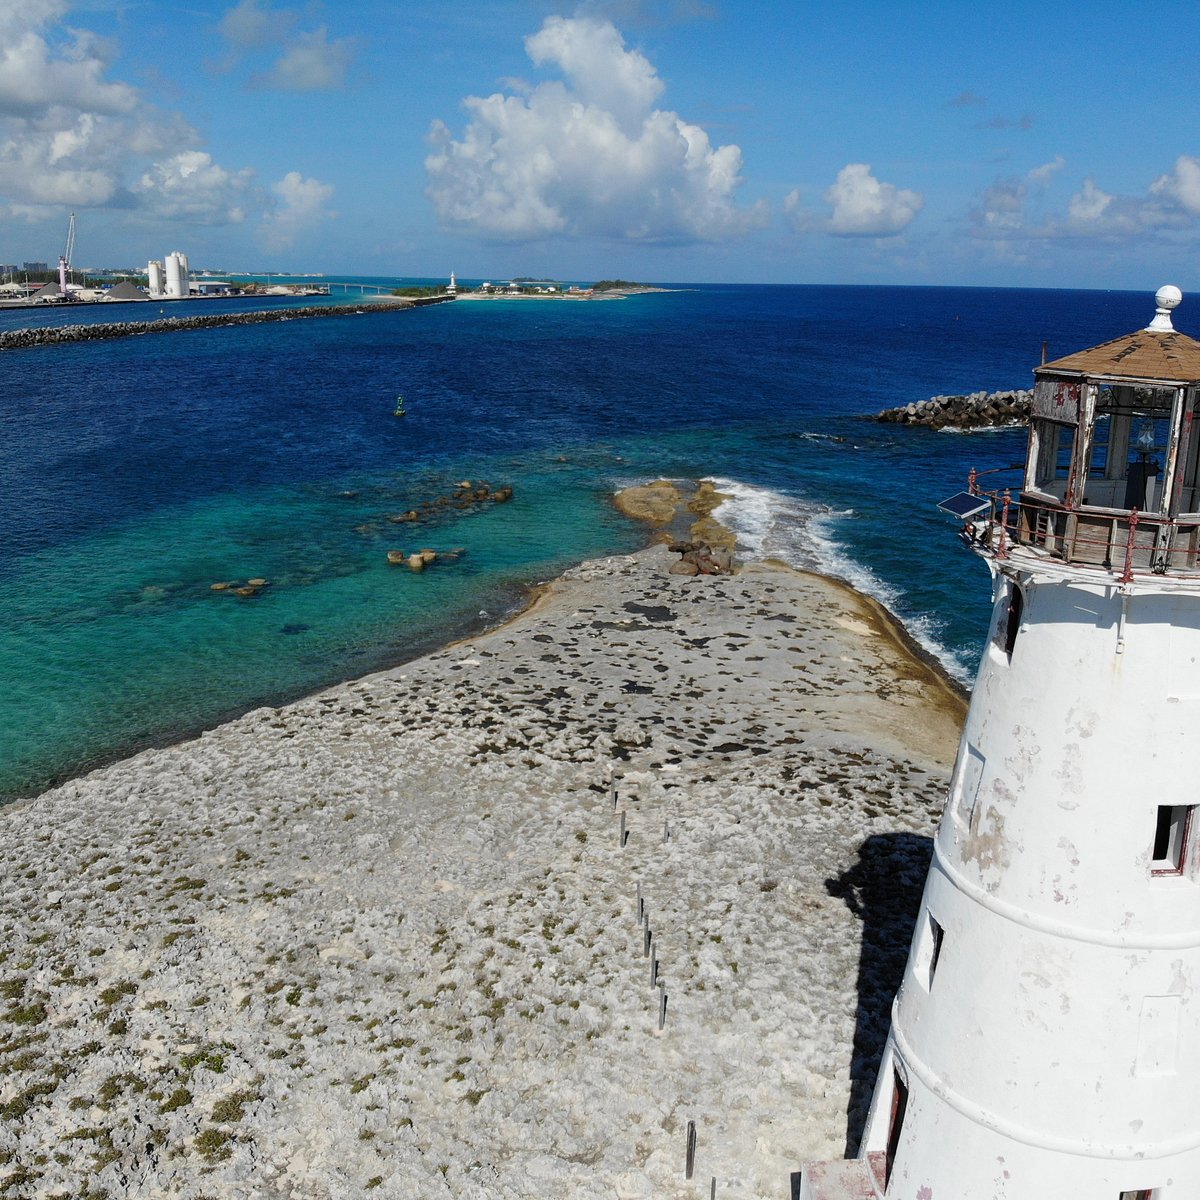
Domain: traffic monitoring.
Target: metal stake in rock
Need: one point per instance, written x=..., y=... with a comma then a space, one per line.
x=690, y=1156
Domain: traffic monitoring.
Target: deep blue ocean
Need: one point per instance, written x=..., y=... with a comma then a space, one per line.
x=136, y=473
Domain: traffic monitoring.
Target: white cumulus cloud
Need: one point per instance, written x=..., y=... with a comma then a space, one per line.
x=603, y=73
x=302, y=204
x=1002, y=211
x=865, y=207
x=191, y=186
x=310, y=62
x=252, y=23
x=587, y=155
x=73, y=137
x=1089, y=205
x=307, y=60
x=1171, y=202
x=36, y=77
x=1047, y=170
x=1180, y=186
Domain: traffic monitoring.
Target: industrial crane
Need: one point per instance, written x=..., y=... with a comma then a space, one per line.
x=64, y=259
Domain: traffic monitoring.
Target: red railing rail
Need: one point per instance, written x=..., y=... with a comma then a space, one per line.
x=1099, y=539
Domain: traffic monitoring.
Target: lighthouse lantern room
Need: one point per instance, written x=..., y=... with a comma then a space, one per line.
x=1045, y=1040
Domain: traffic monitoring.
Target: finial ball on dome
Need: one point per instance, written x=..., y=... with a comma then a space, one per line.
x=1168, y=296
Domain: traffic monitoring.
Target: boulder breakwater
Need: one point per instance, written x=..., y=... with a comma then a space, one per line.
x=24, y=339
x=974, y=411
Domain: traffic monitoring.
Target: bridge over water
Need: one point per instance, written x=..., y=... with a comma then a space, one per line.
x=378, y=289
x=375, y=288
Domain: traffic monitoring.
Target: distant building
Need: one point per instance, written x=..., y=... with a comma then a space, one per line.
x=34, y=266
x=178, y=278
x=169, y=279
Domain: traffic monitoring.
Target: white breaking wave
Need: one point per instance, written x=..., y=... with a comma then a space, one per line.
x=983, y=428
x=771, y=524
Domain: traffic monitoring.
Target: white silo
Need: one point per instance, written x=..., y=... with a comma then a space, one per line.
x=177, y=275
x=1045, y=1041
x=154, y=278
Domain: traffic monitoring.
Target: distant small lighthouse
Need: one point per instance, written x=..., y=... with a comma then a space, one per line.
x=452, y=290
x=1045, y=1041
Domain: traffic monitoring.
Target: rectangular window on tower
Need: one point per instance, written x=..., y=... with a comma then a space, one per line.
x=1172, y=833
x=899, y=1107
x=929, y=950
x=1144, y=1194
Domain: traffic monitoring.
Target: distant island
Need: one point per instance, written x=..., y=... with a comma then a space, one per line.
x=521, y=287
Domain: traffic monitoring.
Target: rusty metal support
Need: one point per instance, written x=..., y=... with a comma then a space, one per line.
x=1002, y=548
x=1127, y=574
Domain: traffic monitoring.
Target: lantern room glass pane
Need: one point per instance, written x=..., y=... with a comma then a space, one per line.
x=1130, y=435
x=1055, y=445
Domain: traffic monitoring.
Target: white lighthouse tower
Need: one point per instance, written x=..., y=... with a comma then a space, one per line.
x=1045, y=1041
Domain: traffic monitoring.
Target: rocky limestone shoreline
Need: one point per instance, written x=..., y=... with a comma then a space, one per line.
x=978, y=410
x=25, y=339
x=499, y=922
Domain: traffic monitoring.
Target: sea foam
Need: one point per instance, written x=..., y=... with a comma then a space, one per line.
x=772, y=524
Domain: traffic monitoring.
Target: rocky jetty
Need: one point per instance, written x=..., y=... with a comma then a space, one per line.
x=976, y=411
x=25, y=339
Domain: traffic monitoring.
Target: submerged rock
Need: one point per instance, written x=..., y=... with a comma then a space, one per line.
x=654, y=502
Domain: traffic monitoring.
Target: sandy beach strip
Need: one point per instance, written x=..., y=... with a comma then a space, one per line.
x=385, y=941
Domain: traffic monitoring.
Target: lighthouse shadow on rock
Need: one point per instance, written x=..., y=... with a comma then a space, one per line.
x=1045, y=1039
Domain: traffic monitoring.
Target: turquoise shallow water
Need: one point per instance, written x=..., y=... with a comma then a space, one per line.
x=135, y=473
x=136, y=648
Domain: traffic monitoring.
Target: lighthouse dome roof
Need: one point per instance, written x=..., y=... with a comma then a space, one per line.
x=1159, y=353
x=1161, y=357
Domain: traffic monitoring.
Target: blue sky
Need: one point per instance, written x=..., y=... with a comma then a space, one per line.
x=1028, y=144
